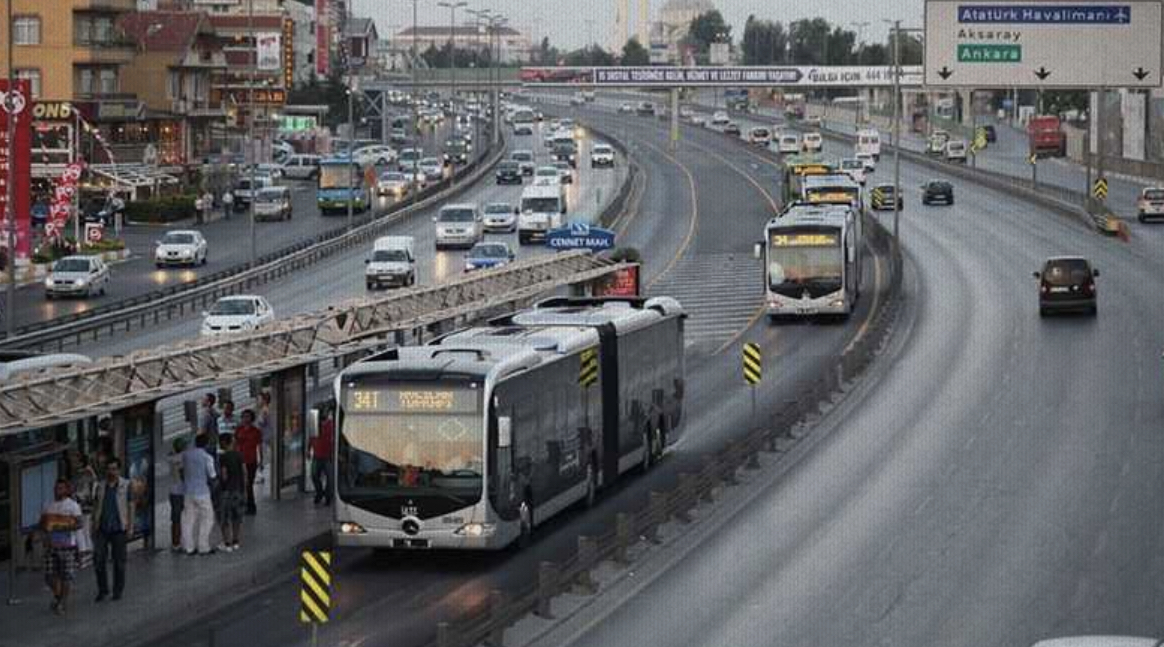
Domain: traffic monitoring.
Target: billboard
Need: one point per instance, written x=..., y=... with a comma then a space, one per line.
x=713, y=76
x=268, y=51
x=322, y=38
x=16, y=122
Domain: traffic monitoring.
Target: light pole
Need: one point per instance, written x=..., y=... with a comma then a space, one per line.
x=452, y=7
x=477, y=16
x=10, y=208
x=413, y=182
x=251, y=125
x=351, y=162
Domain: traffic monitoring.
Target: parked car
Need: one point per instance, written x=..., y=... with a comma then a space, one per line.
x=1067, y=283
x=182, y=247
x=500, y=217
x=235, y=314
x=81, y=276
x=488, y=255
x=103, y=209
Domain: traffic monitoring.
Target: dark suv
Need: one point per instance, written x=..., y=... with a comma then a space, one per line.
x=1067, y=283
x=937, y=191
x=508, y=172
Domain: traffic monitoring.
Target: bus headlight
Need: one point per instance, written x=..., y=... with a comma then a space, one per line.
x=350, y=528
x=477, y=530
x=837, y=303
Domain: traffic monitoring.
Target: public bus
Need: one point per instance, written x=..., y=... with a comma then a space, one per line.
x=812, y=261
x=473, y=440
x=797, y=167
x=342, y=181
x=836, y=188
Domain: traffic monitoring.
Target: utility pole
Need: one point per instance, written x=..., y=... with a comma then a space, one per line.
x=452, y=7
x=254, y=158
x=351, y=116
x=897, y=138
x=413, y=182
x=10, y=198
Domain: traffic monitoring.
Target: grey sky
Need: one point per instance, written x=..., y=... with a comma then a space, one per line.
x=570, y=23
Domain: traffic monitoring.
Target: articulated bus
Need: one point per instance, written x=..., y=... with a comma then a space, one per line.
x=471, y=441
x=837, y=188
x=797, y=167
x=342, y=180
x=812, y=260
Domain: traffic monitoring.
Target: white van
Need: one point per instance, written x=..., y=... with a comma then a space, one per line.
x=812, y=143
x=392, y=264
x=788, y=144
x=523, y=121
x=458, y=225
x=541, y=210
x=869, y=141
x=301, y=167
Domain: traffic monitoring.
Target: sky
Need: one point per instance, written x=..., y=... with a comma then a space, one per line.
x=572, y=23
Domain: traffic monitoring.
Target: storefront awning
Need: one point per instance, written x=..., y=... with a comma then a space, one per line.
x=133, y=176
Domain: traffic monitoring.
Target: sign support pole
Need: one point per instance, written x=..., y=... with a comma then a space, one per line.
x=1100, y=122
x=897, y=137
x=674, y=119
x=10, y=195
x=973, y=126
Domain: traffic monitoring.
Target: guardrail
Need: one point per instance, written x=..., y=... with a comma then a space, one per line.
x=487, y=623
x=152, y=308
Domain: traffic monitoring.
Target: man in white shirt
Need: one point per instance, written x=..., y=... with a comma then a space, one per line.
x=197, y=510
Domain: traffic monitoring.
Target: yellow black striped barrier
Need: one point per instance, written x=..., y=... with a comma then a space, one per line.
x=753, y=364
x=315, y=596
x=588, y=371
x=1099, y=191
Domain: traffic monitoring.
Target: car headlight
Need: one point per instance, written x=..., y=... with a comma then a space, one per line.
x=477, y=530
x=48, y=282
x=84, y=280
x=351, y=528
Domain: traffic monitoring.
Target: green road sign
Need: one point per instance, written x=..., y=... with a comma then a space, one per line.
x=990, y=53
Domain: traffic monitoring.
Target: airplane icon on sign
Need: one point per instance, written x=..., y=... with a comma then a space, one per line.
x=1122, y=16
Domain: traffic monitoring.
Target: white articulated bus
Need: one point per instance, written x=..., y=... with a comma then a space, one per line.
x=812, y=260
x=471, y=441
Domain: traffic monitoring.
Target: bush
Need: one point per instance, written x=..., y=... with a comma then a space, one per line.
x=163, y=209
x=107, y=245
x=626, y=254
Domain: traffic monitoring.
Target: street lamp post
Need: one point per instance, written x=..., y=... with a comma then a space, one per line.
x=10, y=214
x=251, y=126
x=452, y=7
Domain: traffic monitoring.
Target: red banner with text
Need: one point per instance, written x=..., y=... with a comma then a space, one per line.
x=16, y=122
x=62, y=200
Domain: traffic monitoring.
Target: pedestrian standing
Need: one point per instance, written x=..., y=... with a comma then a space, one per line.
x=177, y=493
x=227, y=204
x=60, y=521
x=199, y=210
x=84, y=480
x=227, y=422
x=232, y=479
x=208, y=205
x=248, y=440
x=208, y=423
x=112, y=525
x=322, y=447
x=197, y=510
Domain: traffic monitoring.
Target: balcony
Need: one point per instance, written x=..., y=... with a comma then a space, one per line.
x=117, y=6
x=111, y=52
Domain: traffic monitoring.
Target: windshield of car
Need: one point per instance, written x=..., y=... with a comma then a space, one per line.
x=456, y=215
x=853, y=164
x=547, y=172
x=430, y=161
x=603, y=150
x=521, y=156
x=390, y=256
x=499, y=207
x=1154, y=194
x=71, y=265
x=393, y=177
x=232, y=307
x=270, y=196
x=178, y=239
x=408, y=155
x=1066, y=271
x=540, y=205
x=489, y=250
x=507, y=166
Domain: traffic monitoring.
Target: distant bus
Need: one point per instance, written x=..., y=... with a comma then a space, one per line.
x=473, y=440
x=812, y=261
x=839, y=188
x=342, y=181
x=797, y=167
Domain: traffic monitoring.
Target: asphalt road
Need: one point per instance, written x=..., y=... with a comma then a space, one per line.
x=695, y=207
x=998, y=485
x=229, y=246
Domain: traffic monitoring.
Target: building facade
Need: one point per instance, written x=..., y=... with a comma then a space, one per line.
x=514, y=46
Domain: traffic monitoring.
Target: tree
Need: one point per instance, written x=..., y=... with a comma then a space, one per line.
x=591, y=55
x=808, y=39
x=633, y=53
x=708, y=28
x=911, y=49
x=764, y=43
x=546, y=54
x=332, y=93
x=876, y=54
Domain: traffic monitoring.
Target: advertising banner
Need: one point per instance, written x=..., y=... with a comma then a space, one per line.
x=62, y=200
x=322, y=39
x=16, y=121
x=836, y=76
x=268, y=51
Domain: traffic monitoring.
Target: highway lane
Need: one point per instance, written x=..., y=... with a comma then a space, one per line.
x=396, y=599
x=229, y=246
x=342, y=276
x=996, y=487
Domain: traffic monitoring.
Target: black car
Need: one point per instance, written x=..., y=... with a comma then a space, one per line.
x=937, y=191
x=1067, y=283
x=991, y=134
x=645, y=109
x=508, y=172
x=881, y=198
x=566, y=153
x=456, y=152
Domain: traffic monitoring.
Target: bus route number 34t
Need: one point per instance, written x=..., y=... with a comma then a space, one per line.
x=803, y=240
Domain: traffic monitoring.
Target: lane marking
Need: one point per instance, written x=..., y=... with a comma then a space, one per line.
x=694, y=214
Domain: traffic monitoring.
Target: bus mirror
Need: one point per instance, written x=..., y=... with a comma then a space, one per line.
x=504, y=432
x=758, y=251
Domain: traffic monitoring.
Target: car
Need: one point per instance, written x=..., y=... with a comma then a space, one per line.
x=602, y=155
x=392, y=263
x=458, y=225
x=77, y=276
x=508, y=172
x=789, y=144
x=759, y=135
x=181, y=247
x=625, y=109
x=409, y=159
x=577, y=99
x=565, y=150
x=375, y=155
x=398, y=136
x=499, y=217
x=242, y=191
x=393, y=183
x=589, y=95
x=488, y=255
x=525, y=160
x=433, y=169
x=698, y=120
x=956, y=151
x=645, y=109
x=991, y=133
x=104, y=208
x=547, y=174
x=937, y=191
x=1151, y=203
x=936, y=144
x=1100, y=641
x=814, y=121
x=869, y=160
x=881, y=198
x=812, y=142
x=271, y=169
x=719, y=119
x=1067, y=283
x=456, y=152
x=732, y=128
x=565, y=171
x=282, y=151
x=685, y=112
x=273, y=203
x=301, y=167
x=236, y=314
x=855, y=169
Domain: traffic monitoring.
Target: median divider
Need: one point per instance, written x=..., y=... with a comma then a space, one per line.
x=179, y=301
x=618, y=546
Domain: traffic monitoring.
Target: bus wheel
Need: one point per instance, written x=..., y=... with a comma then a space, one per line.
x=525, y=519
x=591, y=484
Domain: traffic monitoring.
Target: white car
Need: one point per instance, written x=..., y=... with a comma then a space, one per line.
x=812, y=143
x=393, y=183
x=956, y=151
x=182, y=247
x=814, y=121
x=433, y=169
x=869, y=160
x=377, y=154
x=77, y=276
x=235, y=314
x=458, y=225
x=855, y=169
x=625, y=109
x=698, y=120
x=275, y=171
x=547, y=175
x=602, y=155
x=500, y=217
x=789, y=144
x=760, y=136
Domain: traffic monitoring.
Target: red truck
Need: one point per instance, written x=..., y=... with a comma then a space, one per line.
x=1046, y=138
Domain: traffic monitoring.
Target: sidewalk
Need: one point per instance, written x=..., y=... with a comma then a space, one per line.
x=163, y=589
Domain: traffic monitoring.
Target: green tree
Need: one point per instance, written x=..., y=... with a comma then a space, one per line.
x=633, y=53
x=332, y=93
x=592, y=55
x=708, y=28
x=764, y=42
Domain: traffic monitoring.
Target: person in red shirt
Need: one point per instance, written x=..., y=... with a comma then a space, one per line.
x=248, y=441
x=322, y=447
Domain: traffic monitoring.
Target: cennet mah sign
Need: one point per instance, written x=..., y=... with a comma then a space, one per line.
x=1079, y=44
x=737, y=76
x=580, y=235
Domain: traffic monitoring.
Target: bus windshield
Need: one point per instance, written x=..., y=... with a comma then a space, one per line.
x=540, y=205
x=340, y=176
x=418, y=441
x=805, y=260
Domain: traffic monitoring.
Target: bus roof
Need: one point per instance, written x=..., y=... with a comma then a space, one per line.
x=806, y=213
x=830, y=180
